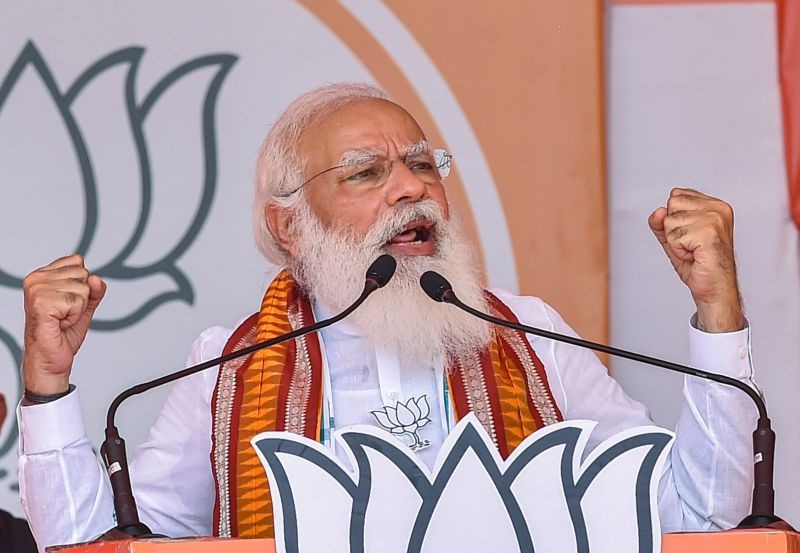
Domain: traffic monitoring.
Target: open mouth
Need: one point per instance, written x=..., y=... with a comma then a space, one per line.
x=415, y=232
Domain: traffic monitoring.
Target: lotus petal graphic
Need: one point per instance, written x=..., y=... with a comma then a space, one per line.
x=104, y=122
x=542, y=498
x=16, y=355
x=406, y=418
x=12, y=388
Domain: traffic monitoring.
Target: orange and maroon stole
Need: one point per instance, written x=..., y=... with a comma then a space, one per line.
x=280, y=389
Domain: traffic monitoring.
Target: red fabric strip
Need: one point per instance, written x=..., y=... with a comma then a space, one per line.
x=789, y=66
x=455, y=380
x=237, y=336
x=314, y=408
x=680, y=2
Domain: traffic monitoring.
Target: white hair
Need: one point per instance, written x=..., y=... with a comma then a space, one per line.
x=279, y=166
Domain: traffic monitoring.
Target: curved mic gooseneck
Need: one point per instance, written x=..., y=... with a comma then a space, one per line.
x=763, y=511
x=113, y=448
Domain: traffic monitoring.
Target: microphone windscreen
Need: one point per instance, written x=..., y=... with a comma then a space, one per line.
x=435, y=285
x=382, y=270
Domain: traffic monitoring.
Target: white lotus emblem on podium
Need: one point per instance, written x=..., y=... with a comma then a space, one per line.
x=542, y=498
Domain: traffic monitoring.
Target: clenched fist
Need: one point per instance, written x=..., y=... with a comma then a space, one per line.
x=696, y=232
x=60, y=300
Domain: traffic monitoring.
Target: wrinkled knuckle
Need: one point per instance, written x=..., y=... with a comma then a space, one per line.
x=726, y=209
x=72, y=298
x=717, y=218
x=717, y=204
x=34, y=291
x=38, y=302
x=80, y=283
x=672, y=226
x=29, y=281
x=678, y=233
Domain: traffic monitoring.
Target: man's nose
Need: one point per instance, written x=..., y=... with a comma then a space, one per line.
x=403, y=185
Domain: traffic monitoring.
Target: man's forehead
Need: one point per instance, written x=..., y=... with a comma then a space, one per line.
x=380, y=126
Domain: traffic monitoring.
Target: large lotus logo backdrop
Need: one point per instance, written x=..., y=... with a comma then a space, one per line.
x=128, y=263
x=551, y=494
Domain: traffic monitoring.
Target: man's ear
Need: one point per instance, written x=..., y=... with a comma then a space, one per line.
x=279, y=220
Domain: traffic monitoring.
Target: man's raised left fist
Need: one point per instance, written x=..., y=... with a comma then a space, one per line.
x=696, y=232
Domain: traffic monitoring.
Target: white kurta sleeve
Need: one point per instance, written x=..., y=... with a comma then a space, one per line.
x=65, y=493
x=707, y=480
x=63, y=489
x=711, y=479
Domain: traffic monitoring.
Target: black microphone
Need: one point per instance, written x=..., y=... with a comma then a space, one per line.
x=763, y=510
x=113, y=448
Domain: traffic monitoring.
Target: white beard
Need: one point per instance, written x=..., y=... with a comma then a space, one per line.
x=331, y=266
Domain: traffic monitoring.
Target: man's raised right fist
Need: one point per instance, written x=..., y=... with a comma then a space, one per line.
x=60, y=300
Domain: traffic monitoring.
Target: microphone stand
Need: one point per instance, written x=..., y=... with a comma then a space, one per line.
x=763, y=509
x=113, y=448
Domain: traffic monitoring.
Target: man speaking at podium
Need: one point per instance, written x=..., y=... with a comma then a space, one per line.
x=343, y=176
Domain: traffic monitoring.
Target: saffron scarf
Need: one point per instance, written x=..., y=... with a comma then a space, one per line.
x=280, y=389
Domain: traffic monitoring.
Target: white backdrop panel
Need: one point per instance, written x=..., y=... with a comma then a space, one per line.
x=694, y=102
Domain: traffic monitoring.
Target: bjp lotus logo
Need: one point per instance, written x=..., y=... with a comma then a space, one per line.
x=550, y=494
x=406, y=419
x=97, y=156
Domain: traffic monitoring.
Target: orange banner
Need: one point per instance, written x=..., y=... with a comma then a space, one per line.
x=789, y=45
x=537, y=106
x=537, y=109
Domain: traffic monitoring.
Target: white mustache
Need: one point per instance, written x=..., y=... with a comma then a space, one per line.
x=395, y=221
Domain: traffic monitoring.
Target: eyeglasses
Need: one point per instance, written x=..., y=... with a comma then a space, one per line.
x=372, y=171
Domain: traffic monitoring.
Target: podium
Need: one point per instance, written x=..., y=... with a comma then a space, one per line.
x=188, y=545
x=732, y=541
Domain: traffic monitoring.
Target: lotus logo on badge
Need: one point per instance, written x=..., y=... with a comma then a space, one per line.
x=97, y=156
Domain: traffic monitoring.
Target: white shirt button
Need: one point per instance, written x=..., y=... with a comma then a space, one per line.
x=742, y=353
x=392, y=394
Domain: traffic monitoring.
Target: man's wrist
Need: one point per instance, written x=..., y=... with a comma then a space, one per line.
x=47, y=385
x=51, y=426
x=719, y=322
x=720, y=317
x=32, y=398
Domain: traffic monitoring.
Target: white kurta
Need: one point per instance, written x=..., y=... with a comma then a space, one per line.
x=706, y=483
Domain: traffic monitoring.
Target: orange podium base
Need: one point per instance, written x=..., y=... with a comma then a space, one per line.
x=188, y=545
x=732, y=541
